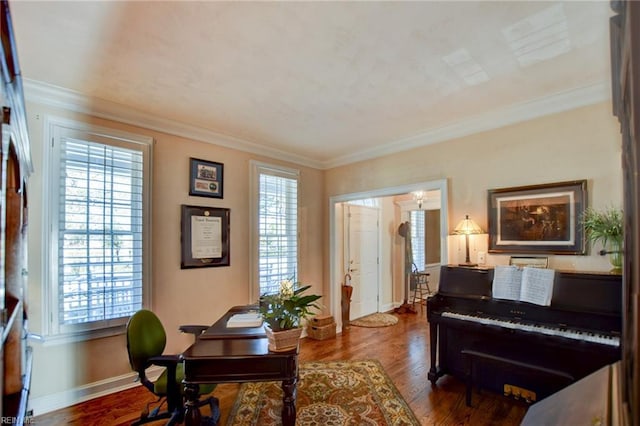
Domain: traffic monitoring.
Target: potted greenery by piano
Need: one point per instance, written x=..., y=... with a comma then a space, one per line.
x=606, y=227
x=283, y=313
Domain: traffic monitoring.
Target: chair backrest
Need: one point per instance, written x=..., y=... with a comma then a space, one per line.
x=145, y=338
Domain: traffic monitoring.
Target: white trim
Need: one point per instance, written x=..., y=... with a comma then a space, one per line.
x=56, y=401
x=334, y=262
x=50, y=181
x=255, y=169
x=59, y=97
x=489, y=120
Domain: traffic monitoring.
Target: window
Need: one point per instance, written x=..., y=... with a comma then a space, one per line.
x=98, y=199
x=276, y=242
x=418, y=238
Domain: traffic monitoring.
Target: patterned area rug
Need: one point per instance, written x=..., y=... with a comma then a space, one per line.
x=337, y=393
x=378, y=319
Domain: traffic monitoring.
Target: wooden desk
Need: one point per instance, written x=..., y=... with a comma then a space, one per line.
x=233, y=359
x=219, y=329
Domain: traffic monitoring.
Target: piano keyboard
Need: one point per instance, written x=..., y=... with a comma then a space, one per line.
x=543, y=329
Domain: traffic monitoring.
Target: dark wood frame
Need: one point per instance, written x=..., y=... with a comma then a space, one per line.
x=186, y=237
x=205, y=186
x=508, y=236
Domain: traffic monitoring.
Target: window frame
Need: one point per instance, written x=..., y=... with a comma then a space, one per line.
x=55, y=128
x=257, y=169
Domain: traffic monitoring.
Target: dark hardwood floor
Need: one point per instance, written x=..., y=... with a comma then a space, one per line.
x=403, y=351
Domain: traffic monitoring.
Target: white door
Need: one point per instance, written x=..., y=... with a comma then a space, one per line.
x=362, y=252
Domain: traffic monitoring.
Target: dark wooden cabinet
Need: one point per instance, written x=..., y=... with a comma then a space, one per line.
x=15, y=167
x=625, y=79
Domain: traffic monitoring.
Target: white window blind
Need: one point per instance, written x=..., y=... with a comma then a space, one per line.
x=418, y=238
x=100, y=190
x=277, y=228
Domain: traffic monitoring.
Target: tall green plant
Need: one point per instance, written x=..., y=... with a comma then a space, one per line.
x=605, y=226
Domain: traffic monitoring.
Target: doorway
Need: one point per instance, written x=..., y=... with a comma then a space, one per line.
x=361, y=258
x=390, y=292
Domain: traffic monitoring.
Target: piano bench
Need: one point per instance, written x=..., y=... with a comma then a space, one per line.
x=472, y=356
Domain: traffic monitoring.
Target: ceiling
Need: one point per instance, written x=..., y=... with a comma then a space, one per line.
x=319, y=83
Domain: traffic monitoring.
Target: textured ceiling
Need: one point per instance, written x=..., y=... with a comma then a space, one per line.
x=325, y=81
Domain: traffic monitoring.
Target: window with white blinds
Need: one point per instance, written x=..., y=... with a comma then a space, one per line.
x=418, y=238
x=277, y=226
x=100, y=199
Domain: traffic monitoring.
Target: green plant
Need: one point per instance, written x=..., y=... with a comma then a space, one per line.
x=285, y=310
x=605, y=226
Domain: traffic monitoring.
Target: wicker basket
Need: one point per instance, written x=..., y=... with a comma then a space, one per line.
x=322, y=332
x=320, y=320
x=283, y=341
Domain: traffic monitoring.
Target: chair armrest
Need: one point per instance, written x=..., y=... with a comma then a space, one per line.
x=165, y=360
x=196, y=330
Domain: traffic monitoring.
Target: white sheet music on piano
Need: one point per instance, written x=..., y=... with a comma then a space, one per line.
x=507, y=281
x=537, y=286
x=533, y=285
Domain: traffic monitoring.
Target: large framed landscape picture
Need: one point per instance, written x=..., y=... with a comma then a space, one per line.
x=538, y=218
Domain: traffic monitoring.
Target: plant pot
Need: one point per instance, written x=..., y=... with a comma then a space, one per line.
x=615, y=255
x=283, y=341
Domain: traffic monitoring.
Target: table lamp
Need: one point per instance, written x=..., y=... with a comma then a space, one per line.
x=467, y=227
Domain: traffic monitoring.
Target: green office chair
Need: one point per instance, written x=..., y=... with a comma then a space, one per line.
x=146, y=340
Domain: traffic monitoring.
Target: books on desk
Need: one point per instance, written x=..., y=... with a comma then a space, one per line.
x=533, y=285
x=245, y=319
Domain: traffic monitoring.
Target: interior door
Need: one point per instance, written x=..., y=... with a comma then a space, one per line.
x=362, y=257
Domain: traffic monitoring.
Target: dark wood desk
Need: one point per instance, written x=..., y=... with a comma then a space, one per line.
x=232, y=359
x=219, y=329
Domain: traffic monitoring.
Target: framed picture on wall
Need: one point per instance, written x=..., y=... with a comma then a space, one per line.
x=538, y=218
x=205, y=237
x=205, y=178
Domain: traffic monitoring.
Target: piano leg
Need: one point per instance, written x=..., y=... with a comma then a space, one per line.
x=433, y=338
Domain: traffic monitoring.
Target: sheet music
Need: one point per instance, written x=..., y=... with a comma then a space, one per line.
x=507, y=281
x=537, y=286
x=533, y=285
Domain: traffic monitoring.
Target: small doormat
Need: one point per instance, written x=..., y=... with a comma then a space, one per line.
x=378, y=319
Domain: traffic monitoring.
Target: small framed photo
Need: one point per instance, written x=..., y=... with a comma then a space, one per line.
x=538, y=218
x=205, y=178
x=205, y=237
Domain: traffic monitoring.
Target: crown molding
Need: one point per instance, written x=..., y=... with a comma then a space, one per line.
x=59, y=97
x=560, y=102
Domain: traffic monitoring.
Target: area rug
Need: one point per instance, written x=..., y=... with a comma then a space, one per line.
x=336, y=393
x=378, y=319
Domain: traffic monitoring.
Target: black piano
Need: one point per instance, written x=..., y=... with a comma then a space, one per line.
x=517, y=348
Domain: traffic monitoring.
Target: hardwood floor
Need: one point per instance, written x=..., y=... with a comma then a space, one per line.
x=403, y=351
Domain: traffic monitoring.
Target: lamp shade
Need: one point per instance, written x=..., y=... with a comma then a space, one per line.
x=467, y=227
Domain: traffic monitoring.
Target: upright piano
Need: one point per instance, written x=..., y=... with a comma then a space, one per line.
x=517, y=348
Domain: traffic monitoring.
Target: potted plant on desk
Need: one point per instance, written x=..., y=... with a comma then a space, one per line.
x=606, y=226
x=283, y=313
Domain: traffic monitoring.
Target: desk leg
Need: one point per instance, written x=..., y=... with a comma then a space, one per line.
x=289, y=402
x=192, y=416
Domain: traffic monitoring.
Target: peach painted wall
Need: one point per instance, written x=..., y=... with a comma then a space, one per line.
x=580, y=144
x=584, y=143
x=190, y=296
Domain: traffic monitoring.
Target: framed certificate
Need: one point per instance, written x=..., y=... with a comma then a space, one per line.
x=204, y=237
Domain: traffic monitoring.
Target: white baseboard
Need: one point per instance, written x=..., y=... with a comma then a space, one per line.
x=389, y=307
x=48, y=403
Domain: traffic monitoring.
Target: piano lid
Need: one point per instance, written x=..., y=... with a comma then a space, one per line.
x=572, y=290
